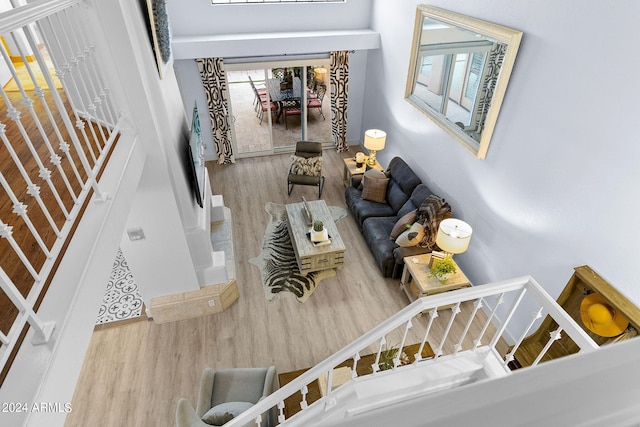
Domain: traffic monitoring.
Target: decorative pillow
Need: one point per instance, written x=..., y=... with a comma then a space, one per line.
x=225, y=412
x=412, y=236
x=372, y=173
x=374, y=190
x=310, y=166
x=432, y=211
x=402, y=224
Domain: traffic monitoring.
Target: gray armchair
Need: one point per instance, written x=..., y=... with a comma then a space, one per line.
x=306, y=167
x=227, y=391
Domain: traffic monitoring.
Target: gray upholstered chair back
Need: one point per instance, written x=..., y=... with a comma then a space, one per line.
x=306, y=149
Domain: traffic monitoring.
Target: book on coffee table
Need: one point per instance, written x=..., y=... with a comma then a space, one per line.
x=321, y=242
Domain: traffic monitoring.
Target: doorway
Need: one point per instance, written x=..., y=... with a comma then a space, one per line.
x=291, y=102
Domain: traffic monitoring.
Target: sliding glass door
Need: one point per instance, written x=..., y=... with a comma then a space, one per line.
x=275, y=104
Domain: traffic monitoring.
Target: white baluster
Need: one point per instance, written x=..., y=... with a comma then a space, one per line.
x=506, y=321
x=281, y=417
x=433, y=313
x=454, y=312
x=534, y=317
x=477, y=304
x=396, y=361
x=20, y=209
x=32, y=189
x=77, y=144
x=4, y=339
x=28, y=103
x=478, y=341
x=553, y=336
x=376, y=364
x=354, y=372
x=304, y=390
x=43, y=330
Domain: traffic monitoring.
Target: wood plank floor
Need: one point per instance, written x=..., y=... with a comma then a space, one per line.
x=135, y=374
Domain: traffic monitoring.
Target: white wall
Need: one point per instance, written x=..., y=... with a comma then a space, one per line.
x=198, y=18
x=558, y=188
x=202, y=30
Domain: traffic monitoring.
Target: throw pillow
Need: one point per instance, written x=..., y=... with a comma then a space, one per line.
x=372, y=173
x=375, y=190
x=225, y=412
x=412, y=236
x=432, y=211
x=310, y=166
x=402, y=224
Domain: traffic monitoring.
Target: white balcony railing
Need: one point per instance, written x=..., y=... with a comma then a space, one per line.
x=59, y=123
x=493, y=307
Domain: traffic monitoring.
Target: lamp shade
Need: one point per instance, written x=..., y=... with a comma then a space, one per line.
x=374, y=139
x=453, y=236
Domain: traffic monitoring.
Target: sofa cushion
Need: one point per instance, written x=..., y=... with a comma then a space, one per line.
x=225, y=412
x=402, y=224
x=363, y=209
x=412, y=236
x=396, y=197
x=419, y=195
x=400, y=172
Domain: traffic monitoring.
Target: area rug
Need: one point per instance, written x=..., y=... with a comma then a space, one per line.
x=277, y=261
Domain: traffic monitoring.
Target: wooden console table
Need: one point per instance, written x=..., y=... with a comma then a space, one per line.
x=416, y=282
x=351, y=170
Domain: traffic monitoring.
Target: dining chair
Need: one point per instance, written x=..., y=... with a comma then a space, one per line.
x=290, y=107
x=317, y=101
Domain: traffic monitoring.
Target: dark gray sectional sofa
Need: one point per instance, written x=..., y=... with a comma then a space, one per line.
x=405, y=193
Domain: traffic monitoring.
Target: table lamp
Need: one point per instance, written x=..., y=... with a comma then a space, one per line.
x=374, y=140
x=453, y=236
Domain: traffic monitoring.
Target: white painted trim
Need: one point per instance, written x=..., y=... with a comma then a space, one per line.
x=291, y=43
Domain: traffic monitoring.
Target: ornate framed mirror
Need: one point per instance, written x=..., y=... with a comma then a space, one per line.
x=459, y=71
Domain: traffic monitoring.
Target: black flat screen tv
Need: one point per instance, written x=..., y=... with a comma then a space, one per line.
x=195, y=161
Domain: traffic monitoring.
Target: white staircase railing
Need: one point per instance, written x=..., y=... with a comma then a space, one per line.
x=500, y=308
x=58, y=125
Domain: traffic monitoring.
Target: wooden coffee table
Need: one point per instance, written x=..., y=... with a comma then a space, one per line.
x=312, y=257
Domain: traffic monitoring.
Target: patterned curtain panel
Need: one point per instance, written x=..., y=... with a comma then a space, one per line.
x=339, y=75
x=494, y=64
x=215, y=87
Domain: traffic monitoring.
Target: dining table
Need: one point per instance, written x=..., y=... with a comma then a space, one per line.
x=279, y=94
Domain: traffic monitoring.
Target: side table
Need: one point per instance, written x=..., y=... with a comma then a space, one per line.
x=416, y=283
x=350, y=169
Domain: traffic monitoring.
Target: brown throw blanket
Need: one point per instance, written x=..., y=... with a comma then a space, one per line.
x=433, y=210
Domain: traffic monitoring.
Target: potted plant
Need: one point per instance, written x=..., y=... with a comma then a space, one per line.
x=388, y=356
x=441, y=269
x=318, y=232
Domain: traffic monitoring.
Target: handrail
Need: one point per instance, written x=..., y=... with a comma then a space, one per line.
x=526, y=283
x=24, y=15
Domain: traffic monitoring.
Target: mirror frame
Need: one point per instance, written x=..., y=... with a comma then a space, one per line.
x=505, y=35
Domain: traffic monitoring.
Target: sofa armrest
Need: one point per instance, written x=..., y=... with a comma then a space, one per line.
x=400, y=252
x=356, y=180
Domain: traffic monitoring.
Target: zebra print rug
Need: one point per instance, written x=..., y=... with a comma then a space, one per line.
x=277, y=261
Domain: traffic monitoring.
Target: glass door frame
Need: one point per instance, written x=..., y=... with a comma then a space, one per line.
x=264, y=64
